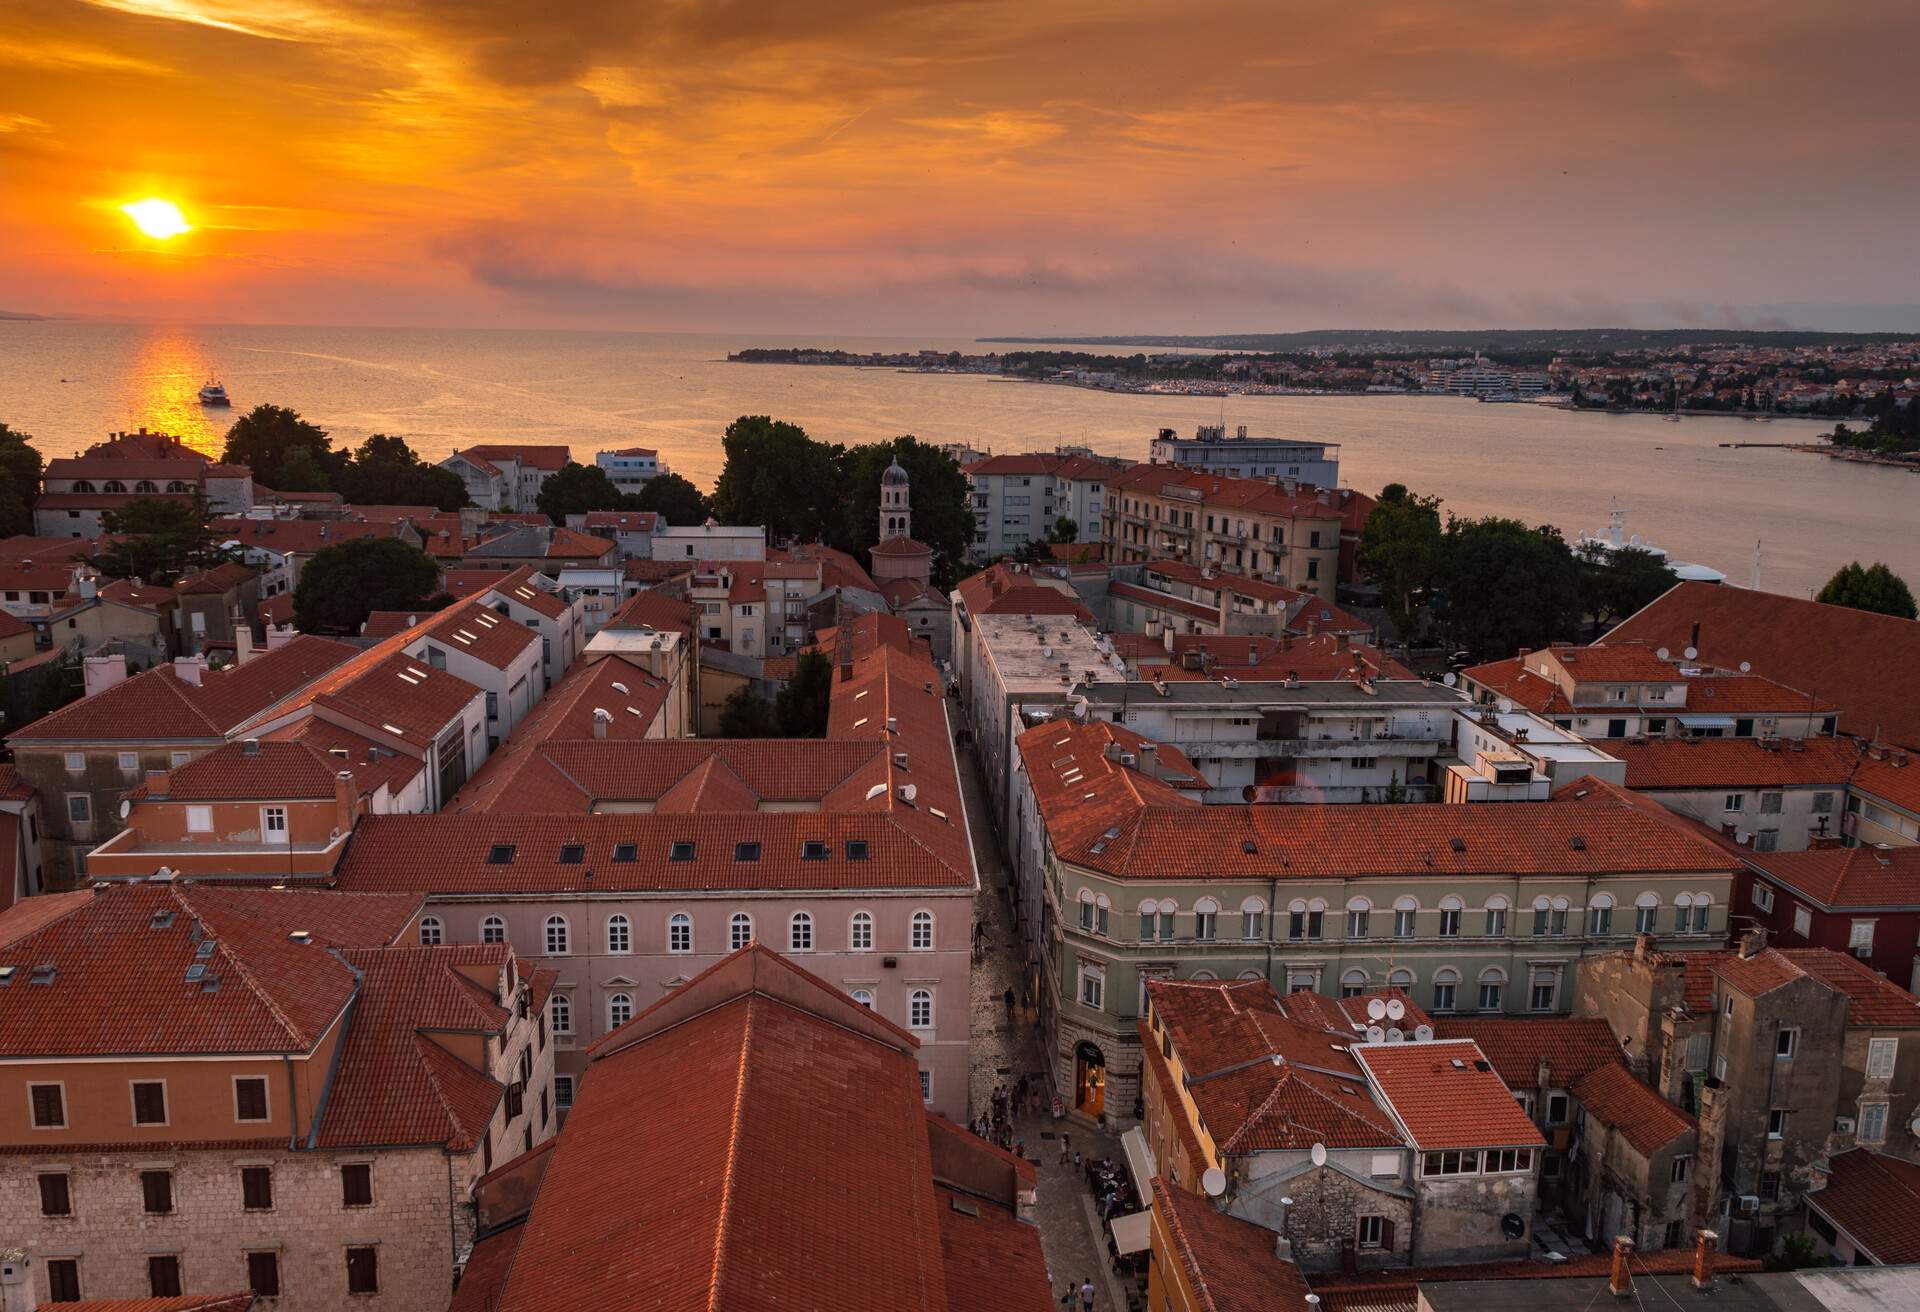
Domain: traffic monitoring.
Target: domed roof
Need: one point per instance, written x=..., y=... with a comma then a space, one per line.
x=894, y=477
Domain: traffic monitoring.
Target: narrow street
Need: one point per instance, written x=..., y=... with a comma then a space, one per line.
x=1003, y=1050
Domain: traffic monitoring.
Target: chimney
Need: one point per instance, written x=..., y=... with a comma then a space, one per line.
x=103, y=672
x=1703, y=1259
x=1342, y=641
x=601, y=718
x=242, y=637
x=159, y=783
x=250, y=746
x=89, y=583
x=1619, y=1282
x=188, y=669
x=16, y=1282
x=1694, y=640
x=1150, y=759
x=1753, y=943
x=346, y=801
x=846, y=661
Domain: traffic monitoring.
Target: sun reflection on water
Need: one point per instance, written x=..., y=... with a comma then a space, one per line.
x=164, y=391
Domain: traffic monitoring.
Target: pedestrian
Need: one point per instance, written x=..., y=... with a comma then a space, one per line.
x=1034, y=1093
x=1020, y=1092
x=1086, y=1295
x=1008, y=997
x=1076, y=1159
x=1020, y=1149
x=1066, y=1148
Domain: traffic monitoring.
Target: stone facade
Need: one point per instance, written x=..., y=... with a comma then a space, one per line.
x=1619, y=1191
x=1462, y=1218
x=1322, y=1223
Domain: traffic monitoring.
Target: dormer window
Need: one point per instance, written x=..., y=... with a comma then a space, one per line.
x=746, y=851
x=856, y=849
x=682, y=851
x=572, y=854
x=501, y=854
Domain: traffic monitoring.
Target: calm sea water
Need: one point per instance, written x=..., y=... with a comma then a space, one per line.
x=69, y=383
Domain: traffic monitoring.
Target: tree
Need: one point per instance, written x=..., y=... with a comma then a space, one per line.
x=1508, y=586
x=301, y=472
x=1064, y=531
x=673, y=498
x=385, y=471
x=941, y=499
x=1400, y=551
x=801, y=706
x=20, y=470
x=343, y=583
x=575, y=489
x=1616, y=583
x=156, y=541
x=1873, y=587
x=778, y=477
x=265, y=436
x=745, y=715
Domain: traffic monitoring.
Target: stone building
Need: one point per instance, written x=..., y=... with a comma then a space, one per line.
x=298, y=1105
x=1278, y=529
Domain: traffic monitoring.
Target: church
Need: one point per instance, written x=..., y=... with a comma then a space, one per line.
x=903, y=567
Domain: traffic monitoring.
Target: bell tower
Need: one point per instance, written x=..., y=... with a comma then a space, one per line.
x=896, y=513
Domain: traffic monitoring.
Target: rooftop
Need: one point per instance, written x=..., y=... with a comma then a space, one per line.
x=1446, y=1095
x=1635, y=1111
x=1851, y=878
x=1875, y=1198
x=1663, y=764
x=1230, y=1264
x=1519, y=1046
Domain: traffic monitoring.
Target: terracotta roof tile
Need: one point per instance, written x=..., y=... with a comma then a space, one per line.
x=179, y=1303
x=398, y=694
x=1875, y=1198
x=275, y=771
x=1890, y=776
x=1843, y=877
x=371, y=764
x=547, y=457
x=1640, y=1115
x=1447, y=1095
x=1230, y=1264
x=1664, y=764
x=1571, y=1046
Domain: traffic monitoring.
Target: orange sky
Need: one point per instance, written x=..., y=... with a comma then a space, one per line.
x=936, y=167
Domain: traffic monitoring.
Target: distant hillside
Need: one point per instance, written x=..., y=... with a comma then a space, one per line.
x=1493, y=340
x=14, y=314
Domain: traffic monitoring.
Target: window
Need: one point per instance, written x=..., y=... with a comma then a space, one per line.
x=563, y=1092
x=1451, y=1163
x=199, y=819
x=1304, y=923
x=356, y=1184
x=1860, y=938
x=363, y=1271
x=1400, y=979
x=263, y=1273
x=680, y=851
x=79, y=808
x=1763, y=896
x=163, y=1275
x=1734, y=802
x=1492, y=989
x=926, y=1086
x=1873, y=1122
x=1203, y=924
x=1699, y=1048
x=572, y=854
x=558, y=937
x=1357, y=918
x=619, y=1010
x=1496, y=920
x=250, y=1098
x=560, y=1012
x=256, y=1188
x=1373, y=1231
x=680, y=933
x=1402, y=923
x=49, y=1106
x=493, y=705
x=1677, y=1173
x=1253, y=919
x=800, y=932
x=1777, y=1123
x=149, y=1102
x=1784, y=1044
x=856, y=849
x=1353, y=983
x=1802, y=921
x=1881, y=1054
x=619, y=935
x=1556, y=1109
x=920, y=1010
x=739, y=931
x=56, y=1197
x=63, y=1279
x=273, y=824
x=493, y=930
x=746, y=851
x=1093, y=985
x=1769, y=1186
x=624, y=853
x=180, y=758
x=1445, y=984
x=1449, y=922
x=1700, y=908
x=1643, y=917
x=922, y=932
x=864, y=997
x=156, y=1191
x=1545, y=985
x=76, y=762
x=1501, y=1160
x=1822, y=802
x=860, y=938
x=1770, y=803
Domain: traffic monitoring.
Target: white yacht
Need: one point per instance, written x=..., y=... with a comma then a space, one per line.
x=1616, y=537
x=213, y=392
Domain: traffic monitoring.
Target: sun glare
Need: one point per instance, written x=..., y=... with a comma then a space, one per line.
x=158, y=219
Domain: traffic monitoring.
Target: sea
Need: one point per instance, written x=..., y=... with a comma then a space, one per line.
x=1799, y=516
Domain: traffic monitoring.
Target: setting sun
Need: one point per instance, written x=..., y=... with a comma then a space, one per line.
x=159, y=219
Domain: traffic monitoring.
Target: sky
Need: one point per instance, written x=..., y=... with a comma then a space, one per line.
x=935, y=167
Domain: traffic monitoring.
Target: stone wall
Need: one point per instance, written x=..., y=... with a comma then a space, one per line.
x=1460, y=1217
x=1323, y=1222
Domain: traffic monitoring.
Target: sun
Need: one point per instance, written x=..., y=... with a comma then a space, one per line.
x=158, y=219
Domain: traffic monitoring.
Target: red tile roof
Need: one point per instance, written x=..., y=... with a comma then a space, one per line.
x=1004, y=590
x=572, y=544
x=1447, y=1095
x=274, y=771
x=1671, y=764
x=29, y=914
x=146, y=596
x=1230, y=1264
x=1253, y=659
x=1044, y=462
x=1352, y=1016
x=371, y=764
x=1252, y=495
x=139, y=941
x=1707, y=694
x=222, y=578
x=159, y=705
x=1873, y=999
x=1847, y=878
x=477, y=630
x=1890, y=776
x=399, y=695
x=654, y=610
x=624, y=521
x=901, y=548
x=1836, y=652
x=179, y=1303
x=1875, y=1198
x=549, y=458
x=1570, y=1046
x=1648, y=1122
x=296, y=537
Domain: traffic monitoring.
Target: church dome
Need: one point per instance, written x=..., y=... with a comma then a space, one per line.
x=894, y=477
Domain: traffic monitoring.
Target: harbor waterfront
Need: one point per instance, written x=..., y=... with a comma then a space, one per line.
x=68, y=383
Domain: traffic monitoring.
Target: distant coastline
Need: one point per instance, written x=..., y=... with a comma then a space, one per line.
x=23, y=316
x=1492, y=340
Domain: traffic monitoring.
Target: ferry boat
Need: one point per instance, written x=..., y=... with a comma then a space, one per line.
x=212, y=392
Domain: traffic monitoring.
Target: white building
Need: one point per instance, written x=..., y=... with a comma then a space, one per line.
x=630, y=468
x=506, y=477
x=709, y=542
x=1211, y=451
x=1017, y=499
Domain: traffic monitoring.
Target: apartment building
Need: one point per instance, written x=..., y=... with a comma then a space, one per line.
x=1629, y=690
x=506, y=476
x=1211, y=451
x=696, y=542
x=1477, y=908
x=78, y=491
x=215, y=606
x=630, y=468
x=1883, y=800
x=1768, y=794
x=1864, y=901
x=22, y=823
x=1197, y=1248
x=631, y=530
x=1017, y=499
x=1279, y=531
x=538, y=601
x=1174, y=597
x=298, y=1106
x=279, y=549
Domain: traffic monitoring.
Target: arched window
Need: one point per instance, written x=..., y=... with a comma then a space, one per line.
x=1400, y=979
x=144, y=486
x=113, y=485
x=922, y=940
x=1253, y=919
x=431, y=934
x=1359, y=917
x=1600, y=915
x=1406, y=911
x=176, y=486
x=619, y=1010
x=1701, y=901
x=1496, y=917
x=560, y=1013
x=1251, y=974
x=739, y=931
x=1202, y=976
x=559, y=940
x=82, y=485
x=619, y=935
x=860, y=933
x=1156, y=919
x=800, y=932
x=1549, y=916
x=1206, y=919
x=493, y=930
x=920, y=1009
x=1450, y=910
x=680, y=933
x=1094, y=910
x=1446, y=987
x=1353, y=983
x=864, y=997
x=1493, y=988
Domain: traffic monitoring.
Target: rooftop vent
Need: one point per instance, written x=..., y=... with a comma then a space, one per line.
x=1250, y=847
x=301, y=936
x=1457, y=844
x=1579, y=844
x=6, y=975
x=42, y=973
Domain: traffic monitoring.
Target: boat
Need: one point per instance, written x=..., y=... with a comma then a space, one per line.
x=212, y=392
x=1615, y=537
x=1674, y=417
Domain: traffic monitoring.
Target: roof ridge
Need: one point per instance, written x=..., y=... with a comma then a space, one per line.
x=733, y=1153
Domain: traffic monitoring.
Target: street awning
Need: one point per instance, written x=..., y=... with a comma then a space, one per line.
x=1705, y=721
x=1139, y=1161
x=1132, y=1233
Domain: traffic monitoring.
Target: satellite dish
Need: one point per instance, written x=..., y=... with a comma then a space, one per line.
x=1506, y=706
x=1513, y=1225
x=1395, y=1009
x=125, y=807
x=1914, y=1125
x=909, y=791
x=1375, y=1034
x=1663, y=654
x=1396, y=1035
x=1319, y=1153
x=1450, y=679
x=1691, y=652
x=1746, y=667
x=1214, y=1181
x=1422, y=1033
x=1376, y=1009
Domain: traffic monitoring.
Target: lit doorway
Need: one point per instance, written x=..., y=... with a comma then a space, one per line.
x=1089, y=1081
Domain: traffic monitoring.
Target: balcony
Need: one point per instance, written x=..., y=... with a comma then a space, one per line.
x=1317, y=748
x=1309, y=794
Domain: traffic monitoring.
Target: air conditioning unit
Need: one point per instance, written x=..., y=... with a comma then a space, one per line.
x=1749, y=1204
x=1843, y=1125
